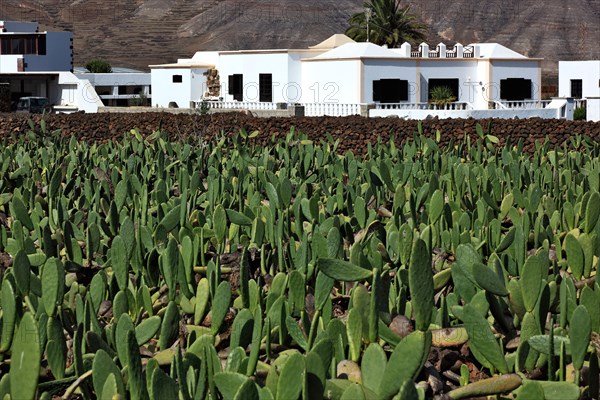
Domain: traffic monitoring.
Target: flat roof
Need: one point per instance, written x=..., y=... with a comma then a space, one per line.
x=32, y=73
x=272, y=51
x=182, y=66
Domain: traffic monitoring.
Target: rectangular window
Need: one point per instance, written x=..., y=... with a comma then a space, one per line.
x=265, y=87
x=515, y=89
x=41, y=45
x=104, y=90
x=23, y=44
x=451, y=83
x=177, y=78
x=236, y=86
x=390, y=90
x=576, y=88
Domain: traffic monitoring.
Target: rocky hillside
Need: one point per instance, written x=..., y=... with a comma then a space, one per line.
x=135, y=33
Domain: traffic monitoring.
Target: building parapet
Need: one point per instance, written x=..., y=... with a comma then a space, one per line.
x=440, y=51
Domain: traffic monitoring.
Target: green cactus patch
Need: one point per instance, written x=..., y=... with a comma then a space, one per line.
x=239, y=266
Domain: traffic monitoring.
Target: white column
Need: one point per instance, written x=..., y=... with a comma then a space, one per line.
x=441, y=48
x=459, y=50
x=405, y=49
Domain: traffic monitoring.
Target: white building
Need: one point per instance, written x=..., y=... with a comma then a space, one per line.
x=36, y=63
x=120, y=88
x=581, y=80
x=340, y=71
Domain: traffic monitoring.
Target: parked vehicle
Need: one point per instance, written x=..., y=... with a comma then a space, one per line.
x=35, y=105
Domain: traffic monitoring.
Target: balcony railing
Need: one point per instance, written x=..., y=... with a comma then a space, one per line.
x=239, y=105
x=521, y=104
x=457, y=105
x=330, y=109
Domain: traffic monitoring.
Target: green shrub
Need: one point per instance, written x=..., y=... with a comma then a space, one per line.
x=441, y=95
x=98, y=66
x=579, y=114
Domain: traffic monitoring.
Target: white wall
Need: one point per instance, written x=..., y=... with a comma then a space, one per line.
x=9, y=63
x=476, y=88
x=198, y=83
x=295, y=66
x=71, y=91
x=165, y=91
x=593, y=109
x=59, y=55
x=462, y=70
x=331, y=81
x=587, y=71
x=477, y=114
x=514, y=69
x=389, y=69
x=418, y=74
x=253, y=64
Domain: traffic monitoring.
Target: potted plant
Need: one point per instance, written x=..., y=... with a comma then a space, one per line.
x=441, y=96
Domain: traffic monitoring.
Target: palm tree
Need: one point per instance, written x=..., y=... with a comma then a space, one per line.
x=388, y=23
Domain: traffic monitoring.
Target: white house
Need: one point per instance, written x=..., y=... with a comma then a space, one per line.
x=367, y=73
x=340, y=71
x=35, y=63
x=581, y=80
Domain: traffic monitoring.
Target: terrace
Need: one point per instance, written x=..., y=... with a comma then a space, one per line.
x=557, y=108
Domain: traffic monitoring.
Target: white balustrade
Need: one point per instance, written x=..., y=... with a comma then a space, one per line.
x=238, y=105
x=457, y=105
x=330, y=109
x=522, y=104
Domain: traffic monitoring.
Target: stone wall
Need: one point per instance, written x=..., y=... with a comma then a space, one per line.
x=353, y=132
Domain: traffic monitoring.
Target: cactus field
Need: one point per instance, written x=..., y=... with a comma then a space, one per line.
x=151, y=267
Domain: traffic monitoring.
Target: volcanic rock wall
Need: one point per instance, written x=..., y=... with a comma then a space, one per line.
x=353, y=132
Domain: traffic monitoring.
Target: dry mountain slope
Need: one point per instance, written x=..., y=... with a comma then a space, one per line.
x=135, y=33
x=552, y=29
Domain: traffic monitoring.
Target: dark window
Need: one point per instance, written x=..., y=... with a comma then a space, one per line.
x=576, y=88
x=515, y=89
x=265, y=87
x=451, y=83
x=177, y=78
x=103, y=90
x=236, y=86
x=390, y=90
x=23, y=44
x=42, y=45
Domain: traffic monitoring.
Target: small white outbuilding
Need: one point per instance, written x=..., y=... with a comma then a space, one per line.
x=581, y=80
